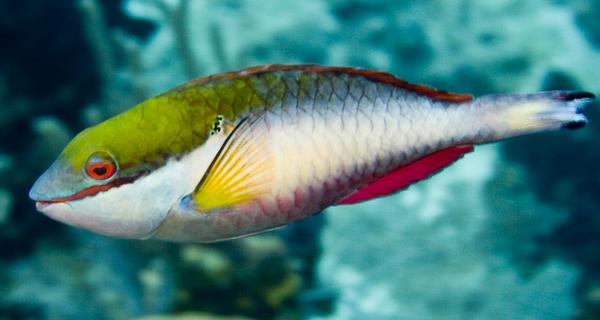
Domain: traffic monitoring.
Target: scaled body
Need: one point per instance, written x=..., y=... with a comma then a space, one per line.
x=239, y=153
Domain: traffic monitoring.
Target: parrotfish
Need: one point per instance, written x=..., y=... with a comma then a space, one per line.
x=238, y=153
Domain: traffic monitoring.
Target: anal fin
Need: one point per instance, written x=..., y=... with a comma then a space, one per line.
x=404, y=176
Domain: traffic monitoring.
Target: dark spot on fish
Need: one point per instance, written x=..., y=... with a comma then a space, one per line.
x=217, y=125
x=570, y=96
x=573, y=125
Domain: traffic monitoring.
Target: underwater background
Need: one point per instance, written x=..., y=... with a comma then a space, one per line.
x=512, y=231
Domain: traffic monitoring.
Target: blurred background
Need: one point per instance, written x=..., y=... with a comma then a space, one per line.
x=510, y=232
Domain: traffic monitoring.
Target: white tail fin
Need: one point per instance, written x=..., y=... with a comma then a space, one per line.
x=517, y=114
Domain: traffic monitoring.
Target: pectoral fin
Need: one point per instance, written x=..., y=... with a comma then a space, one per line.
x=241, y=170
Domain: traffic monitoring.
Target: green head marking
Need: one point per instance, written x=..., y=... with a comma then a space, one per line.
x=135, y=142
x=145, y=137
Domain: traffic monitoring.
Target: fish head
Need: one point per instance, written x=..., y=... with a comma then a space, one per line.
x=89, y=187
x=115, y=178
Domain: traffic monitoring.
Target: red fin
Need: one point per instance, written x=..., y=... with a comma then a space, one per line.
x=373, y=75
x=404, y=176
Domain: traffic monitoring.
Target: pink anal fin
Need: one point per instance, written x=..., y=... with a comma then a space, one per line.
x=404, y=176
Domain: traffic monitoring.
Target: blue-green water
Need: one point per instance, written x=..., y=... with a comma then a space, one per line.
x=510, y=232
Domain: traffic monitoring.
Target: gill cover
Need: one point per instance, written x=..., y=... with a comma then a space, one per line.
x=222, y=205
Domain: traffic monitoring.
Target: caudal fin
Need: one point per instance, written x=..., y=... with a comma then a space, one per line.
x=518, y=114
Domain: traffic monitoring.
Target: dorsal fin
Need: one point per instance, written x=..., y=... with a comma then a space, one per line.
x=374, y=75
x=403, y=177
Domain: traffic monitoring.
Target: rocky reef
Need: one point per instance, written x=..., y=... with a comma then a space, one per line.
x=511, y=231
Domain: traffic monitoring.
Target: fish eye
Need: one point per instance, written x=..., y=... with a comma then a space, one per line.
x=100, y=166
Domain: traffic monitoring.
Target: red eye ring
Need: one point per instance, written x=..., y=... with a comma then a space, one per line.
x=100, y=171
x=100, y=166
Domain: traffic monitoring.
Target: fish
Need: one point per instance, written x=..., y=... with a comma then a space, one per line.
x=240, y=153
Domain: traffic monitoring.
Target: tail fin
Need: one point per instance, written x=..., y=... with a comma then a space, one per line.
x=518, y=114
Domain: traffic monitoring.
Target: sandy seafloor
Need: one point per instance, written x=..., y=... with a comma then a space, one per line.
x=510, y=232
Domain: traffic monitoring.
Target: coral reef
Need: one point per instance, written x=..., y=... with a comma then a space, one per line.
x=480, y=58
x=102, y=278
x=509, y=232
x=454, y=247
x=60, y=273
x=563, y=172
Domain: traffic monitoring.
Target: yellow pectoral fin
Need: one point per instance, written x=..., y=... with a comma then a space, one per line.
x=241, y=170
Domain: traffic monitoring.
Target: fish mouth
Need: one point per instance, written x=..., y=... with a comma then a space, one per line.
x=41, y=205
x=42, y=202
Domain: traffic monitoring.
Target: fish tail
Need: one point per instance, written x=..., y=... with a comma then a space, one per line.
x=512, y=115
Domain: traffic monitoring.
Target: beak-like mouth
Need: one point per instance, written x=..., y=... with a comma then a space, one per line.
x=37, y=194
x=40, y=205
x=48, y=187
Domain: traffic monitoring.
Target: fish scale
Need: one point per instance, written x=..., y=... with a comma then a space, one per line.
x=348, y=145
x=242, y=152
